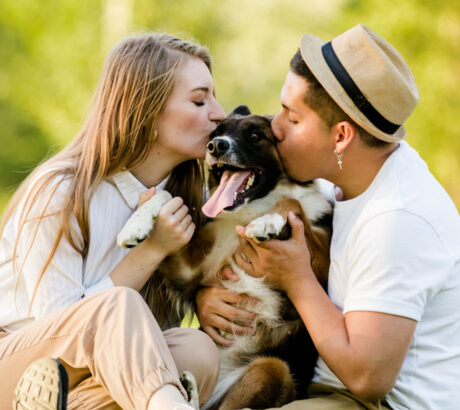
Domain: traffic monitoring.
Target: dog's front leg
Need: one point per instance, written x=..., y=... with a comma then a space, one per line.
x=141, y=222
x=276, y=226
x=266, y=227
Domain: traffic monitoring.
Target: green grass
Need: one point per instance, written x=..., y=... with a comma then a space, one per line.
x=189, y=321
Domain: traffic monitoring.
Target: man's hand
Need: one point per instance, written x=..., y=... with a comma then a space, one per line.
x=222, y=309
x=284, y=264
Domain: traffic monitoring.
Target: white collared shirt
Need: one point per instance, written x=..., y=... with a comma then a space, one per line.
x=69, y=277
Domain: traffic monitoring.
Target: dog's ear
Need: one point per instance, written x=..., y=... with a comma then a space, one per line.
x=240, y=110
x=269, y=117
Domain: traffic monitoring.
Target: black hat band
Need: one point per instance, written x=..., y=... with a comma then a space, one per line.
x=355, y=93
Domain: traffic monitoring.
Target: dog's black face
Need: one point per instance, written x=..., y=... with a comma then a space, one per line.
x=243, y=161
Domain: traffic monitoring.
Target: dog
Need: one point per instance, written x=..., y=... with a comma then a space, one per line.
x=249, y=187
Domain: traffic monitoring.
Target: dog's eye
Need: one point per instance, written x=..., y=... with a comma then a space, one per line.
x=254, y=136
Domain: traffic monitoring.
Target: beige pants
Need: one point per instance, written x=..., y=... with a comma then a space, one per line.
x=323, y=397
x=113, y=350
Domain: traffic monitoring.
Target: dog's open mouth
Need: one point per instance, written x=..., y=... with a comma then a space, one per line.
x=235, y=186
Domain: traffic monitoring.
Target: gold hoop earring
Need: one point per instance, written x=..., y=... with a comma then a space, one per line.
x=339, y=158
x=155, y=135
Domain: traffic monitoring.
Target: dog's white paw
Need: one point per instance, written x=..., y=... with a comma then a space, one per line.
x=141, y=222
x=188, y=381
x=265, y=227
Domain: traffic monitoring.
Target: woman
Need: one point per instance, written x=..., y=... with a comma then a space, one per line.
x=66, y=290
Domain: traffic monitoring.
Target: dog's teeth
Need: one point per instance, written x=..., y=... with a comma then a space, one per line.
x=250, y=182
x=234, y=196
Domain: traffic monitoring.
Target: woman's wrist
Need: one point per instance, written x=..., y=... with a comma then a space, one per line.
x=137, y=267
x=149, y=253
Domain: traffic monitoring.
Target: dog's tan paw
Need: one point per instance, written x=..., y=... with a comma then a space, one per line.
x=266, y=227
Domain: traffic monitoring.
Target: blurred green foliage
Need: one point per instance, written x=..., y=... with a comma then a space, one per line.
x=51, y=54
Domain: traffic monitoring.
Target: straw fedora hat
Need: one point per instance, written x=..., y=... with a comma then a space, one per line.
x=366, y=77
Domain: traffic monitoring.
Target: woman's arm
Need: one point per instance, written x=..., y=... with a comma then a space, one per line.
x=173, y=230
x=62, y=282
x=137, y=266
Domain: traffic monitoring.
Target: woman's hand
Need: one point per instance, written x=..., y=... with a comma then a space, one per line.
x=283, y=263
x=221, y=309
x=173, y=228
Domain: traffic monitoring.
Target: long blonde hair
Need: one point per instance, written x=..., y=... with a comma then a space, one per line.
x=138, y=77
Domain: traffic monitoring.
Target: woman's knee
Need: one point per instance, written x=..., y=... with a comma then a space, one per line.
x=193, y=350
x=120, y=297
x=197, y=353
x=119, y=306
x=206, y=351
x=122, y=292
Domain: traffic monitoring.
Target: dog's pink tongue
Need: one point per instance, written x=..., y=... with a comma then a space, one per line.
x=223, y=197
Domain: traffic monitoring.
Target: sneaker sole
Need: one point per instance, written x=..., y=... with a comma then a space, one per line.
x=43, y=386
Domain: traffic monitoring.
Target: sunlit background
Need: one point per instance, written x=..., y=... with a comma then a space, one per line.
x=51, y=54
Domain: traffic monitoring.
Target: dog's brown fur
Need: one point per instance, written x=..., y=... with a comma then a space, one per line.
x=266, y=380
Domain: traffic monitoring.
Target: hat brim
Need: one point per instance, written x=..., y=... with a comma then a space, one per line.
x=310, y=48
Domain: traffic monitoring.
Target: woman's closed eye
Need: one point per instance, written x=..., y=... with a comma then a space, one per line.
x=198, y=103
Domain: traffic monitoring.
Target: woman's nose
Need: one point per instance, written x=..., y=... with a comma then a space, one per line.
x=217, y=114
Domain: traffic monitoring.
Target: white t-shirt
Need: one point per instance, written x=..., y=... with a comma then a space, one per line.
x=69, y=277
x=396, y=249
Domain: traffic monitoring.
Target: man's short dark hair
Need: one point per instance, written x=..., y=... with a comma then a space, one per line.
x=320, y=101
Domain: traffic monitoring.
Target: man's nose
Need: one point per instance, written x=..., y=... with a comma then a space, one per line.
x=218, y=146
x=276, y=128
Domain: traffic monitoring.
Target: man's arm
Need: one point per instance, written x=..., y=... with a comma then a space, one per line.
x=364, y=349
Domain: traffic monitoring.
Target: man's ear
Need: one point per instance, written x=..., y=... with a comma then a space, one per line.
x=345, y=132
x=240, y=110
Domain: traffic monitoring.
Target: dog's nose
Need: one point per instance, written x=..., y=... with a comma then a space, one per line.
x=218, y=146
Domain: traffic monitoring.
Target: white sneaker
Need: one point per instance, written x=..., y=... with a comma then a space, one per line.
x=42, y=386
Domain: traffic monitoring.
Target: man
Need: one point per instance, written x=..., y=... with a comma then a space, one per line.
x=388, y=335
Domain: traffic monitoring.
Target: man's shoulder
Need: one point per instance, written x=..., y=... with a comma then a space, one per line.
x=408, y=185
